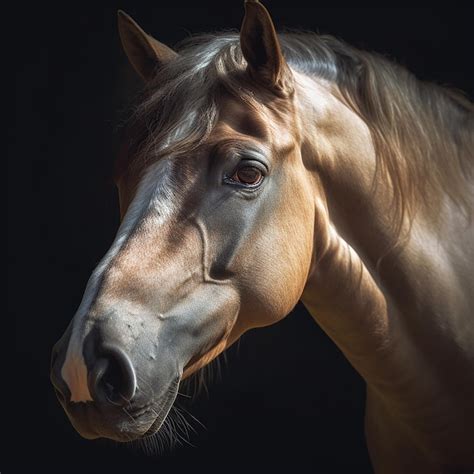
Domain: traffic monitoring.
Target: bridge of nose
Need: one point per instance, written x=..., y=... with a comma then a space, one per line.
x=124, y=315
x=138, y=284
x=152, y=269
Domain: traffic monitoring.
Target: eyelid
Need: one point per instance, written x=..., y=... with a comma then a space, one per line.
x=252, y=162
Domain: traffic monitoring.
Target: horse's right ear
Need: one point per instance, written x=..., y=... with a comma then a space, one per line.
x=262, y=51
x=144, y=52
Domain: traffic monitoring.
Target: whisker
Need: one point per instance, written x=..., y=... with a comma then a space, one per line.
x=185, y=426
x=147, y=384
x=184, y=395
x=130, y=416
x=191, y=415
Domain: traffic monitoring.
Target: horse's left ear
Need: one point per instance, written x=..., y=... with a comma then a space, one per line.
x=145, y=53
x=262, y=51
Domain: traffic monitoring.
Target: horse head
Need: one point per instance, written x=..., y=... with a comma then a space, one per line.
x=216, y=235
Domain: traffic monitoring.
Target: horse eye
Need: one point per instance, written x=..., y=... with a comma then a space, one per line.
x=249, y=175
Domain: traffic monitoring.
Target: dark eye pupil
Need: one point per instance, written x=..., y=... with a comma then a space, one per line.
x=248, y=175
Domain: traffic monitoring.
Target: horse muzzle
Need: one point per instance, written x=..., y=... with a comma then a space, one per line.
x=117, y=368
x=114, y=388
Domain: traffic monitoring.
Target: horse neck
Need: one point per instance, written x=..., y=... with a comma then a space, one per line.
x=372, y=312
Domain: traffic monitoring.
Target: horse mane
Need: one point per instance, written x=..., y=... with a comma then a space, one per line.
x=423, y=133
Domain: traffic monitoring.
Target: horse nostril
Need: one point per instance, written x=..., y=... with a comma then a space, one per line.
x=112, y=380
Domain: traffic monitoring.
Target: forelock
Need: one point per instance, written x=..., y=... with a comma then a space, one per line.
x=179, y=107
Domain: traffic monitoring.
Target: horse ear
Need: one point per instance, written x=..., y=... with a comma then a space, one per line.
x=144, y=52
x=261, y=49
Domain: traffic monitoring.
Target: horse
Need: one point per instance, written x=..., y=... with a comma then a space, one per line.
x=259, y=169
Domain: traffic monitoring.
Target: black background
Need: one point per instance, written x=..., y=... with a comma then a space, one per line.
x=286, y=398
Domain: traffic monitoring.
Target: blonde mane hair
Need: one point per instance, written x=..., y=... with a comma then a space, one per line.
x=423, y=133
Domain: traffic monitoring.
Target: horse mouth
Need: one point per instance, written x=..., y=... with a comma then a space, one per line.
x=92, y=423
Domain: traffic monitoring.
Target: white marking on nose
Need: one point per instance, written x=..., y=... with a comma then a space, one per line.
x=155, y=192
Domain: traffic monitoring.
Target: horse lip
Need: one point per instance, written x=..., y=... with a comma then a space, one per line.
x=86, y=427
x=165, y=404
x=165, y=409
x=154, y=428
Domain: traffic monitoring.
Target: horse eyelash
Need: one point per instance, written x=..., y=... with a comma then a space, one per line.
x=228, y=180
